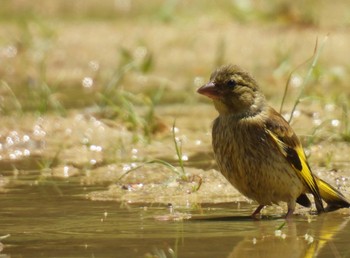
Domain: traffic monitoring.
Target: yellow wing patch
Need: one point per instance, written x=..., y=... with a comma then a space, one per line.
x=296, y=158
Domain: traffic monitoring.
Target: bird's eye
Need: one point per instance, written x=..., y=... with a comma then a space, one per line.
x=231, y=83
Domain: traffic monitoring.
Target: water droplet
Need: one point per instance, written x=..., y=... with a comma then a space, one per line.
x=25, y=138
x=184, y=157
x=335, y=122
x=126, y=167
x=198, y=142
x=317, y=122
x=296, y=81
x=85, y=141
x=278, y=233
x=286, y=116
x=176, y=130
x=254, y=241
x=309, y=238
x=95, y=148
x=329, y=107
x=9, y=141
x=66, y=171
x=87, y=82
x=18, y=153
x=94, y=65
x=172, y=252
x=296, y=113
x=38, y=131
x=134, y=151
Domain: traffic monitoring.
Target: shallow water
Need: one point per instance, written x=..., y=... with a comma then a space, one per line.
x=56, y=203
x=53, y=218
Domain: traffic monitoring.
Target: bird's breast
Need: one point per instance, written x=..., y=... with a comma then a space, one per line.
x=250, y=162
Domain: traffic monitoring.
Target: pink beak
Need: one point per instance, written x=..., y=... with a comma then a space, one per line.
x=209, y=90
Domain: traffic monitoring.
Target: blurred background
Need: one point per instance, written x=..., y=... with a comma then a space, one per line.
x=59, y=55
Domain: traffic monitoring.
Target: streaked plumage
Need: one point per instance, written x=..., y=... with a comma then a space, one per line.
x=257, y=150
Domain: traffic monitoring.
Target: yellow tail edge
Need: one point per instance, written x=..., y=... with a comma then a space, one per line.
x=334, y=198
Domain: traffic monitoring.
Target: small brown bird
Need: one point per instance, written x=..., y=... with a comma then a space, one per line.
x=257, y=150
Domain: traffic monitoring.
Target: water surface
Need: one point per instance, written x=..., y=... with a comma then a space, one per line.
x=55, y=219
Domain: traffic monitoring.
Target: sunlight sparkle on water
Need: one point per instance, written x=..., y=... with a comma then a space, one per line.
x=26, y=152
x=278, y=233
x=309, y=238
x=134, y=153
x=127, y=167
x=95, y=148
x=38, y=131
x=87, y=82
x=94, y=65
x=329, y=107
x=335, y=122
x=198, y=142
x=9, y=141
x=286, y=116
x=66, y=171
x=25, y=138
x=296, y=113
x=175, y=129
x=316, y=120
x=296, y=81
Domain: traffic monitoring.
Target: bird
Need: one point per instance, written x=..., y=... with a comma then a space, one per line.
x=257, y=150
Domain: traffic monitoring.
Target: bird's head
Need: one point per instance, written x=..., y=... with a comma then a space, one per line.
x=233, y=91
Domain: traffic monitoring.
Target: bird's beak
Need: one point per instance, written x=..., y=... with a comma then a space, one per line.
x=209, y=90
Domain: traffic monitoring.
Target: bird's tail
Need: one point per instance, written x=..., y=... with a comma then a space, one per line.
x=334, y=199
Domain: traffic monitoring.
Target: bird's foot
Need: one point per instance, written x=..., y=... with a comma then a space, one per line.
x=289, y=214
x=256, y=213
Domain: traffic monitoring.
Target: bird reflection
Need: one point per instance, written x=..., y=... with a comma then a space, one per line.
x=296, y=239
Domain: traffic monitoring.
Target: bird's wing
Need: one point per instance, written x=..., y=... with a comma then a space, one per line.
x=290, y=147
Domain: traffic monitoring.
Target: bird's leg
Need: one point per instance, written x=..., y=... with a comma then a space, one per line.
x=291, y=208
x=289, y=213
x=257, y=211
